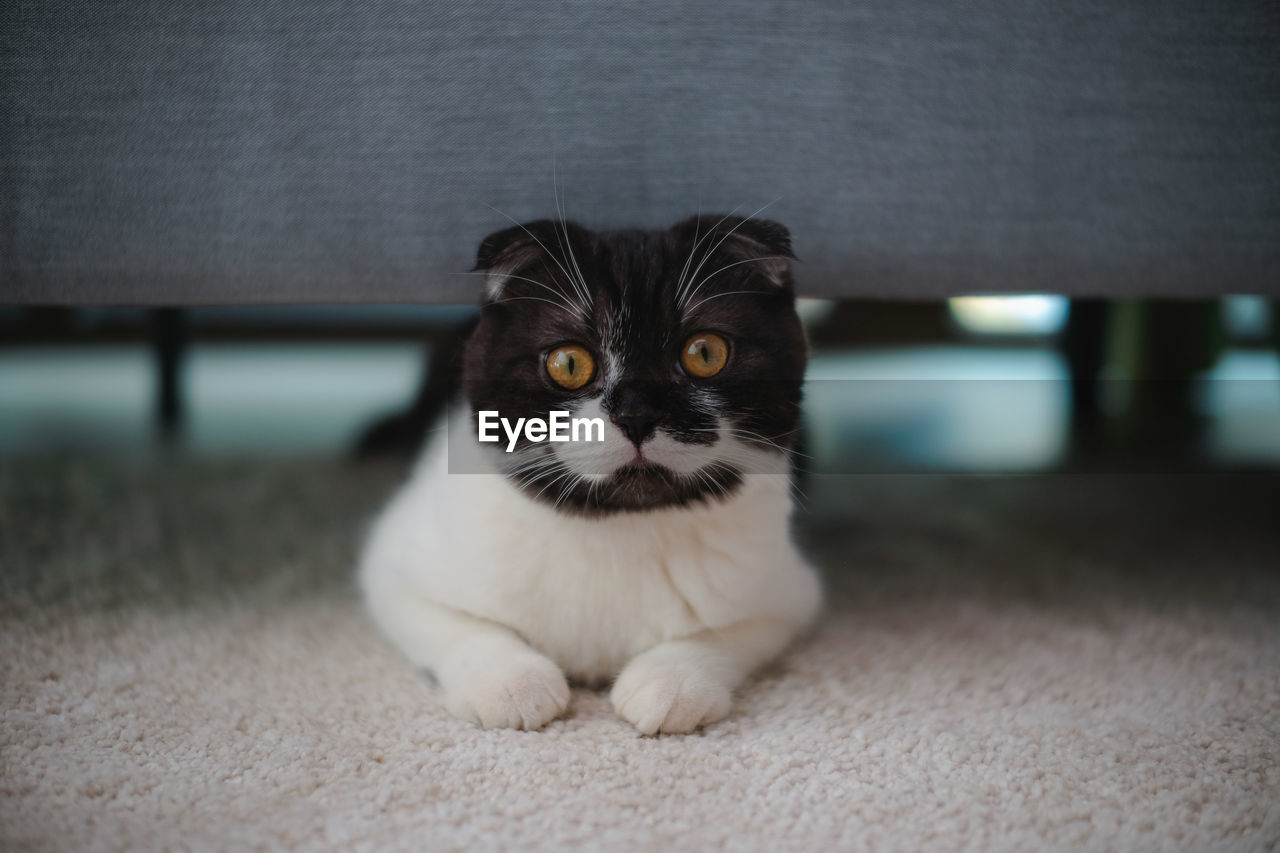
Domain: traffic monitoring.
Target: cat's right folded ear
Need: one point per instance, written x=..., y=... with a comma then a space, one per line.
x=505, y=252
x=492, y=247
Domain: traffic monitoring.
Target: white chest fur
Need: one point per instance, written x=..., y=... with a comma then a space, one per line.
x=589, y=593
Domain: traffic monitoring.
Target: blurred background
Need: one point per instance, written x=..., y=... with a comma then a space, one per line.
x=330, y=167
x=981, y=384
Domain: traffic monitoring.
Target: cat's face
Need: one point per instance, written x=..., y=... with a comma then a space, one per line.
x=685, y=342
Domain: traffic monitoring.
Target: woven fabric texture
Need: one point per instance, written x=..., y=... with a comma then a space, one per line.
x=272, y=151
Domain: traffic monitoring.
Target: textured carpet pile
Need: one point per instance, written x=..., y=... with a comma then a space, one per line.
x=1072, y=663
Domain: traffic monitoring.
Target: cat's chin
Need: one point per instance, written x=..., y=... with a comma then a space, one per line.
x=647, y=481
x=639, y=486
x=642, y=468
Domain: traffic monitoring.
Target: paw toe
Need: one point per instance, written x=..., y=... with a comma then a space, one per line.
x=669, y=700
x=525, y=694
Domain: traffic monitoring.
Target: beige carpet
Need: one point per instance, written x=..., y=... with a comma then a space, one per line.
x=1072, y=663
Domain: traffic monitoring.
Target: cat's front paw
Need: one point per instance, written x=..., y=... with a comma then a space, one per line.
x=656, y=695
x=525, y=691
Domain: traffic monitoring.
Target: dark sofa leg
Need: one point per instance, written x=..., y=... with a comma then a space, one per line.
x=1084, y=343
x=168, y=337
x=1176, y=341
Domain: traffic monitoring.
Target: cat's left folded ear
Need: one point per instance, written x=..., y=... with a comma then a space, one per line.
x=744, y=238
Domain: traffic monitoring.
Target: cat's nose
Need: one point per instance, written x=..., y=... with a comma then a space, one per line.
x=637, y=427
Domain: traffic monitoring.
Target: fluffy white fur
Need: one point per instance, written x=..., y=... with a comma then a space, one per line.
x=502, y=597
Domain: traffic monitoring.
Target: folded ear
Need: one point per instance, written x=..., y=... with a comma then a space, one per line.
x=764, y=240
x=504, y=253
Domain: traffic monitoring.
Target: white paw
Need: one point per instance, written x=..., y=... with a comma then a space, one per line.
x=668, y=696
x=520, y=691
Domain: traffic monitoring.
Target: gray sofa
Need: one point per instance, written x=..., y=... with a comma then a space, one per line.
x=263, y=151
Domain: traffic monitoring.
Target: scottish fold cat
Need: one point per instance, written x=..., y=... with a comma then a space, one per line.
x=654, y=555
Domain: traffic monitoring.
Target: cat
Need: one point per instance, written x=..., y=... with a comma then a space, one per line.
x=658, y=557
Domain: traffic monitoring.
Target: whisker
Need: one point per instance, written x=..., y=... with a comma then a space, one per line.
x=532, y=469
x=568, y=490
x=756, y=438
x=592, y=485
x=566, y=473
x=720, y=487
x=567, y=245
x=530, y=477
x=586, y=314
x=540, y=299
x=535, y=239
x=694, y=307
x=789, y=451
x=698, y=286
x=685, y=269
x=537, y=461
x=706, y=255
x=701, y=477
x=683, y=283
x=799, y=496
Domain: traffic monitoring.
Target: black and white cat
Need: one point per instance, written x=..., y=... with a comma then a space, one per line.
x=659, y=557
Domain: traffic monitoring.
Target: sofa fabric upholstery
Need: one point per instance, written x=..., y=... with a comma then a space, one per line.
x=214, y=151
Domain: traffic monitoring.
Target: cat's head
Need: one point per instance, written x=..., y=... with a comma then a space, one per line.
x=684, y=342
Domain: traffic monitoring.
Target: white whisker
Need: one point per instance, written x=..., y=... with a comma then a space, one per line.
x=540, y=299
x=536, y=240
x=568, y=490
x=566, y=473
x=719, y=243
x=685, y=269
x=683, y=283
x=698, y=286
x=756, y=438
x=695, y=305
x=567, y=245
x=574, y=306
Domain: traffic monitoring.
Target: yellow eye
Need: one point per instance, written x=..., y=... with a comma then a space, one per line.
x=570, y=366
x=704, y=355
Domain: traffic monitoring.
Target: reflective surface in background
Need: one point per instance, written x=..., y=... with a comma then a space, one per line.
x=958, y=408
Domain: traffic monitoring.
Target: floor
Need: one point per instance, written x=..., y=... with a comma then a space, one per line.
x=1016, y=655
x=1006, y=663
